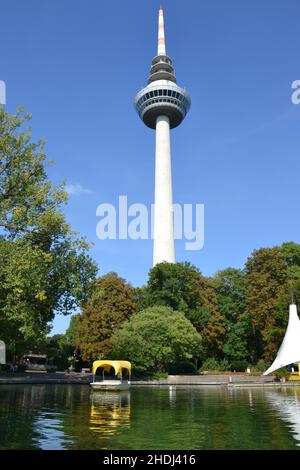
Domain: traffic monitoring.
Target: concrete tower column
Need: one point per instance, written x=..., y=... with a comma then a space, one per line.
x=163, y=249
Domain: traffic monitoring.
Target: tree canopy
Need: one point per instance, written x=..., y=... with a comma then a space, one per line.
x=111, y=301
x=267, y=299
x=44, y=266
x=182, y=287
x=230, y=286
x=157, y=339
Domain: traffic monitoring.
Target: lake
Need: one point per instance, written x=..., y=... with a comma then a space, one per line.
x=205, y=417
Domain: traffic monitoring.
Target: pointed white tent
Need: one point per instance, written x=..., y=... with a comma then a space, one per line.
x=289, y=351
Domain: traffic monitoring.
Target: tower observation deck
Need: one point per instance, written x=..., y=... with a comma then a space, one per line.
x=162, y=105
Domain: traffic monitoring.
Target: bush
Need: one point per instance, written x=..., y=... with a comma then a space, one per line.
x=157, y=339
x=212, y=364
x=239, y=366
x=282, y=373
x=183, y=368
x=160, y=375
x=209, y=364
x=261, y=366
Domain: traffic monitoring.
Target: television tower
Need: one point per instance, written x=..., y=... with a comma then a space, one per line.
x=162, y=105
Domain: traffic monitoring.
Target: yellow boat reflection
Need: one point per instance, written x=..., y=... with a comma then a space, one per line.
x=110, y=412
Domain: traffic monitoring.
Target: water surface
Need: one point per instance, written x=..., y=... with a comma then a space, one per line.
x=74, y=417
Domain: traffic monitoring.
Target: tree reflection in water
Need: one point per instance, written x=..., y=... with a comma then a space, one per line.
x=74, y=417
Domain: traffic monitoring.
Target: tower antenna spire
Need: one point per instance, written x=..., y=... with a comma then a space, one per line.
x=161, y=49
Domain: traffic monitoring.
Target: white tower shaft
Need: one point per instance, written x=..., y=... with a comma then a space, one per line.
x=163, y=249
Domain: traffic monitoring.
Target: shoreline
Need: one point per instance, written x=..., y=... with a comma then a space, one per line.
x=231, y=381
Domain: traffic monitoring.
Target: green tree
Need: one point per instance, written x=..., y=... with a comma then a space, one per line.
x=58, y=351
x=157, y=339
x=176, y=285
x=291, y=253
x=29, y=203
x=181, y=286
x=236, y=345
x=267, y=298
x=24, y=308
x=44, y=266
x=230, y=285
x=71, y=332
x=111, y=301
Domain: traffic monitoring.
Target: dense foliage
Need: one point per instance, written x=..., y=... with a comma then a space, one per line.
x=158, y=339
x=111, y=302
x=230, y=287
x=240, y=314
x=267, y=296
x=182, y=287
x=44, y=266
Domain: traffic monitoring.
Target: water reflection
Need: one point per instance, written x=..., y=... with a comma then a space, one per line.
x=73, y=417
x=250, y=400
x=172, y=395
x=287, y=406
x=50, y=431
x=110, y=412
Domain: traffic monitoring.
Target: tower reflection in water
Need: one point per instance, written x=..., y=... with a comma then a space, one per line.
x=110, y=412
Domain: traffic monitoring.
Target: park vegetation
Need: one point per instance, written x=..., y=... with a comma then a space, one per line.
x=110, y=303
x=179, y=321
x=182, y=321
x=44, y=266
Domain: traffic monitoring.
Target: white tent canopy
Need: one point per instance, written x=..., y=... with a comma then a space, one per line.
x=289, y=351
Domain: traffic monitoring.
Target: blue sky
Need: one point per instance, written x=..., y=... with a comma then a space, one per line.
x=77, y=65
